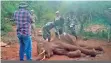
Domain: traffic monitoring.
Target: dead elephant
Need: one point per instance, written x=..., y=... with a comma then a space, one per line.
x=67, y=46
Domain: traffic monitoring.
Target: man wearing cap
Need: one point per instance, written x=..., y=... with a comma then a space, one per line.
x=59, y=24
x=23, y=21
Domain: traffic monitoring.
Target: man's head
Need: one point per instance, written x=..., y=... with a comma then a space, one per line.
x=32, y=11
x=57, y=13
x=23, y=5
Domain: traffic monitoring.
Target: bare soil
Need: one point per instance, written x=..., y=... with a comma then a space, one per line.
x=12, y=51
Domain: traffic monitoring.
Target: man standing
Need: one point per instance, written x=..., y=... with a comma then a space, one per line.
x=71, y=23
x=108, y=16
x=109, y=21
x=34, y=19
x=23, y=21
x=59, y=24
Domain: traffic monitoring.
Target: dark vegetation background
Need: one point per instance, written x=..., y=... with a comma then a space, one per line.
x=88, y=13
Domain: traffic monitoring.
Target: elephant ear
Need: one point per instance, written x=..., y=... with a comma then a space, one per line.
x=67, y=38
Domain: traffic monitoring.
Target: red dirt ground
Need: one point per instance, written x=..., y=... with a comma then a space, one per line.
x=12, y=52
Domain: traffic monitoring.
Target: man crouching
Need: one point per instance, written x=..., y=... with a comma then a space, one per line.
x=46, y=30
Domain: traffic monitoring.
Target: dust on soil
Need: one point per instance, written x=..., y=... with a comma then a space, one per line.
x=12, y=52
x=95, y=28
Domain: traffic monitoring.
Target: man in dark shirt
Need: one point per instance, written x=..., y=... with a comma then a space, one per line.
x=59, y=25
x=71, y=23
x=46, y=30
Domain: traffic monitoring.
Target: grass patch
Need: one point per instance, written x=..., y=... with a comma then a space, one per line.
x=6, y=26
x=97, y=35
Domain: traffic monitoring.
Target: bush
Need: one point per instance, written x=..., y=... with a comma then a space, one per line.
x=5, y=26
x=98, y=35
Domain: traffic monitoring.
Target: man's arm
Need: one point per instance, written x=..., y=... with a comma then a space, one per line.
x=57, y=31
x=36, y=18
x=56, y=28
x=14, y=17
x=62, y=24
x=30, y=17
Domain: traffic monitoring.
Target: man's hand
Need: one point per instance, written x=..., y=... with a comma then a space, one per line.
x=59, y=37
x=64, y=33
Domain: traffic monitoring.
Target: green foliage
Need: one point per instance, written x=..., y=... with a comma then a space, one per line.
x=99, y=35
x=87, y=12
x=5, y=26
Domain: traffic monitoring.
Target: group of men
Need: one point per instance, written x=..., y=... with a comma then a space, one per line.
x=61, y=25
x=25, y=21
x=57, y=24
